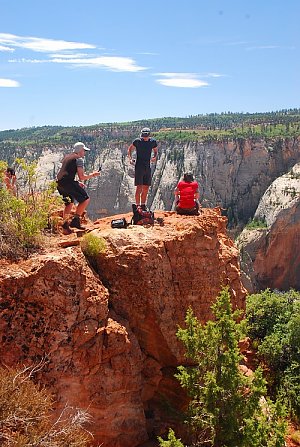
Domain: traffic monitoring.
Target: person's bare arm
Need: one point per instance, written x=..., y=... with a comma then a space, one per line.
x=155, y=151
x=129, y=152
x=82, y=176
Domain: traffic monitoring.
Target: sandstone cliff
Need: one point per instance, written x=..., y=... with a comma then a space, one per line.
x=109, y=335
x=232, y=174
x=271, y=255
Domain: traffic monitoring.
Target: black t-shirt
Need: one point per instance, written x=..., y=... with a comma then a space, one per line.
x=69, y=169
x=144, y=150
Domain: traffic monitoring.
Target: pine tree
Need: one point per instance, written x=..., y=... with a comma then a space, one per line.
x=227, y=408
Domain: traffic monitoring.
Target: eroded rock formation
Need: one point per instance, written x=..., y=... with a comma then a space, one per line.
x=109, y=338
x=271, y=255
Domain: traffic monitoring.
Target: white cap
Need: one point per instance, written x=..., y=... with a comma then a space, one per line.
x=145, y=132
x=79, y=146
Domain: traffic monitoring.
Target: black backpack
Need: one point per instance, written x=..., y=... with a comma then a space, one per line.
x=141, y=216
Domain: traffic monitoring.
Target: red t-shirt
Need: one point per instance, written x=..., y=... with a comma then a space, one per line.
x=187, y=193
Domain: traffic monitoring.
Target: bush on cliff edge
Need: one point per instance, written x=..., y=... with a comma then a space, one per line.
x=273, y=320
x=226, y=407
x=26, y=415
x=23, y=217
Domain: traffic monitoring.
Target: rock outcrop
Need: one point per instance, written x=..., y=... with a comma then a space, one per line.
x=233, y=174
x=271, y=255
x=108, y=332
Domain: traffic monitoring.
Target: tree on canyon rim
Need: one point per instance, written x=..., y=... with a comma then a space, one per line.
x=227, y=408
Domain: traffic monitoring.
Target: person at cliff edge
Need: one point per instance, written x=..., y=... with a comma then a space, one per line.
x=187, y=195
x=71, y=189
x=145, y=148
x=10, y=180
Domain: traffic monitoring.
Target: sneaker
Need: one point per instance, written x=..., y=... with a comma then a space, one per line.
x=144, y=207
x=66, y=228
x=75, y=223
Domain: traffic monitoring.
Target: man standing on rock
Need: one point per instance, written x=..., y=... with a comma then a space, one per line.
x=70, y=189
x=146, y=153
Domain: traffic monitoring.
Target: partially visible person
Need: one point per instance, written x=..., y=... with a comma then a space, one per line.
x=187, y=196
x=146, y=153
x=71, y=189
x=10, y=180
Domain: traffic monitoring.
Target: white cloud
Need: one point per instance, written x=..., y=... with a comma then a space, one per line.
x=112, y=63
x=22, y=60
x=64, y=52
x=146, y=53
x=3, y=48
x=214, y=75
x=181, y=80
x=270, y=47
x=9, y=83
x=68, y=56
x=40, y=44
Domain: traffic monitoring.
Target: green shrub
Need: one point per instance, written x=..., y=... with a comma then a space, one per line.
x=273, y=321
x=256, y=224
x=27, y=417
x=92, y=245
x=23, y=218
x=226, y=408
x=172, y=441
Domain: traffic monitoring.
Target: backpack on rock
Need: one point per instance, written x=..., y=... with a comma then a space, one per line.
x=142, y=216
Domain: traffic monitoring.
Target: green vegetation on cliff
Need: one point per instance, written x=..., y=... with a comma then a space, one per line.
x=273, y=320
x=23, y=217
x=272, y=125
x=227, y=408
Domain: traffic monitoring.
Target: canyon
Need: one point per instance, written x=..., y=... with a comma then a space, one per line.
x=105, y=328
x=270, y=256
x=233, y=174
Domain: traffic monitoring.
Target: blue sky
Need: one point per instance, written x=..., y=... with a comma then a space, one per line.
x=73, y=62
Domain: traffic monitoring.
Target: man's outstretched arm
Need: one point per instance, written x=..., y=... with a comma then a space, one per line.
x=82, y=176
x=154, y=157
x=131, y=148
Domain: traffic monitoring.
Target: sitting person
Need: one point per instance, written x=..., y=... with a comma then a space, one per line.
x=187, y=195
x=10, y=180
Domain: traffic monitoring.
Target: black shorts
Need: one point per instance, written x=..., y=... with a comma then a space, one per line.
x=188, y=211
x=142, y=175
x=70, y=191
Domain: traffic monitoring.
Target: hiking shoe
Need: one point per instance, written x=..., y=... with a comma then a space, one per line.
x=66, y=228
x=75, y=223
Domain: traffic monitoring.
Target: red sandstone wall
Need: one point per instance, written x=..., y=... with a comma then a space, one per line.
x=113, y=350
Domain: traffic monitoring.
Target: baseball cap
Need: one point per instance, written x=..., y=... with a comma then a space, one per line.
x=145, y=132
x=78, y=146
